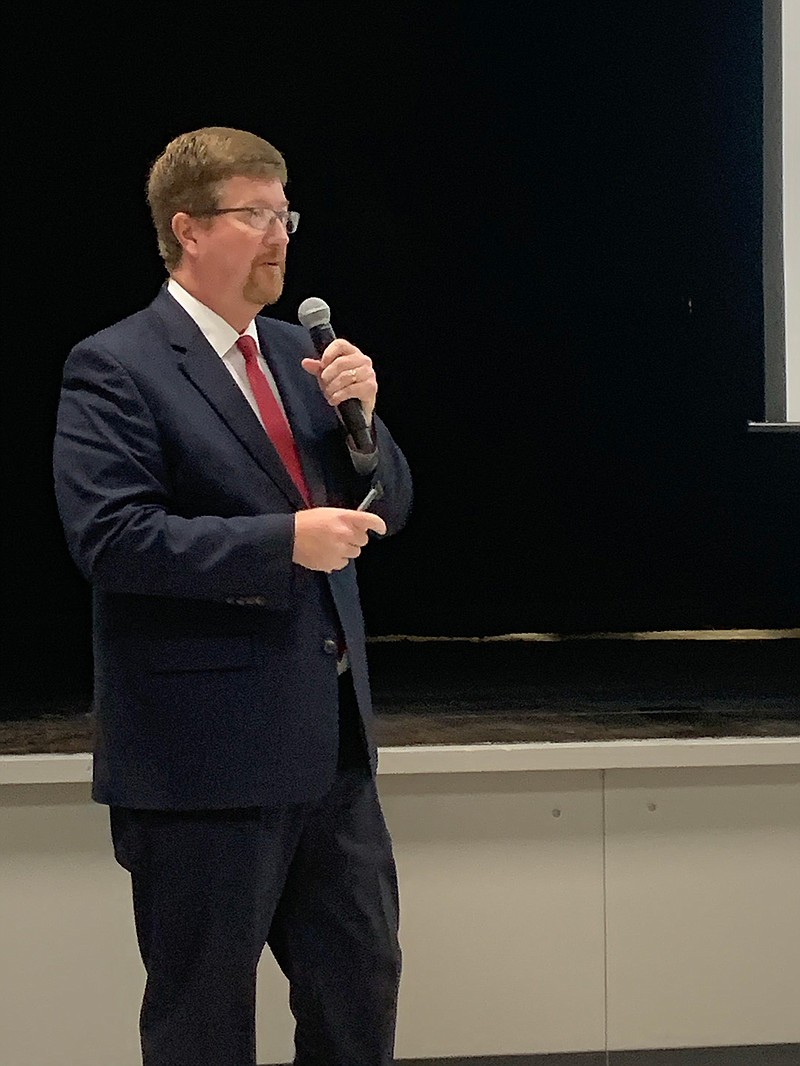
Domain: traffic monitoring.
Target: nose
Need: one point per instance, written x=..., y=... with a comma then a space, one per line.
x=276, y=233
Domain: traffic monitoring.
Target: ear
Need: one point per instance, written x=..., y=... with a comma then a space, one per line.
x=186, y=230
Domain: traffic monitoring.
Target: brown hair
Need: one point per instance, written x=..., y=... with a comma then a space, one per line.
x=187, y=174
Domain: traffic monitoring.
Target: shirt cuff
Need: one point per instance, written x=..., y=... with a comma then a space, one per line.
x=364, y=462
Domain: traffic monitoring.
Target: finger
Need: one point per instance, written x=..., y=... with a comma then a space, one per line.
x=366, y=520
x=313, y=366
x=347, y=367
x=336, y=349
x=358, y=383
x=354, y=392
x=340, y=372
x=352, y=541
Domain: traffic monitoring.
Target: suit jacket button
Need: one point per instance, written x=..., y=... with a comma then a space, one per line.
x=329, y=646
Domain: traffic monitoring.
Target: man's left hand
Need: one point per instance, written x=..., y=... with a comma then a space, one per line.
x=345, y=373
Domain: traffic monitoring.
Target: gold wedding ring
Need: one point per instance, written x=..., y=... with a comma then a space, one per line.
x=353, y=374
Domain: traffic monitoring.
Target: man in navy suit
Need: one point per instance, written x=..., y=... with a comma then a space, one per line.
x=232, y=701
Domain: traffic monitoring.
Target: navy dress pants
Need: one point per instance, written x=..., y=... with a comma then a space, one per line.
x=315, y=881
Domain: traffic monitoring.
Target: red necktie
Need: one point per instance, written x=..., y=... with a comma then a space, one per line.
x=276, y=426
x=272, y=416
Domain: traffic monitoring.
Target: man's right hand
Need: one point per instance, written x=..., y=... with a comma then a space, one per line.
x=327, y=538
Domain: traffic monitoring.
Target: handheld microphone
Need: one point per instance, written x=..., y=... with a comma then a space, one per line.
x=315, y=315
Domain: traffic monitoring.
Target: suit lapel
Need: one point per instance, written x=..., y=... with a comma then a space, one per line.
x=204, y=368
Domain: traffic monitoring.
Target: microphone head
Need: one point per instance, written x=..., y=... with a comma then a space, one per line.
x=314, y=312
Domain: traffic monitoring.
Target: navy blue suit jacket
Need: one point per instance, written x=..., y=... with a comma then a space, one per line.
x=215, y=654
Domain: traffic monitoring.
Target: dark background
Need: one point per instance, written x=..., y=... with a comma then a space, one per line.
x=544, y=223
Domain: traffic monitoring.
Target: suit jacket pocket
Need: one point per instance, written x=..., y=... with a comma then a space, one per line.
x=183, y=654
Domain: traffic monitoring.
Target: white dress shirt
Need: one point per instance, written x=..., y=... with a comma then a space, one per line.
x=223, y=337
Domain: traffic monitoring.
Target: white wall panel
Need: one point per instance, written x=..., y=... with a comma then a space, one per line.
x=70, y=974
x=501, y=903
x=703, y=901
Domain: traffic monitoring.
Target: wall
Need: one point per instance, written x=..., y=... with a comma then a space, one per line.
x=554, y=898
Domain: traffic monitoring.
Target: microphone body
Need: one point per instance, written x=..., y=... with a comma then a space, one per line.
x=315, y=315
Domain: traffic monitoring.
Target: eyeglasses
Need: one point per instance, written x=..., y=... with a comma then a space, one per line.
x=261, y=218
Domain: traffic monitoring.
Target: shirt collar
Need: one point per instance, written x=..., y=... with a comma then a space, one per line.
x=219, y=333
